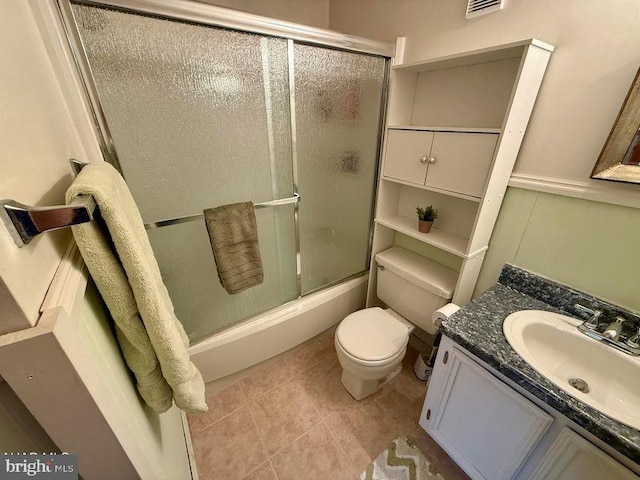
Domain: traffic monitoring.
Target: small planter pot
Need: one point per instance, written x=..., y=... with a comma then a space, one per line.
x=424, y=226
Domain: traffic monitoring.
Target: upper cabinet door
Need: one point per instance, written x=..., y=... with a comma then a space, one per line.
x=407, y=155
x=461, y=161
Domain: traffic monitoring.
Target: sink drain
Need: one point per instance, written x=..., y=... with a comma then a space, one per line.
x=579, y=384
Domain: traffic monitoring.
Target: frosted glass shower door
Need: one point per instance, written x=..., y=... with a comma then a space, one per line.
x=338, y=107
x=199, y=117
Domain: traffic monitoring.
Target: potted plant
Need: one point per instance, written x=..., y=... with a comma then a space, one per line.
x=426, y=216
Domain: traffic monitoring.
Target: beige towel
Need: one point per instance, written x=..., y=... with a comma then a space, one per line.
x=234, y=239
x=125, y=270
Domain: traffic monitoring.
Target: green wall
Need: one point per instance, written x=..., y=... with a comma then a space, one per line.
x=591, y=246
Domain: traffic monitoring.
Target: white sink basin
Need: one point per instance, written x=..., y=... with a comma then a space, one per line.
x=553, y=346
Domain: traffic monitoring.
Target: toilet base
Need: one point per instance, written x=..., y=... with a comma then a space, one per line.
x=359, y=388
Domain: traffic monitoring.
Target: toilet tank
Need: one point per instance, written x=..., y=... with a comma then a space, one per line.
x=414, y=286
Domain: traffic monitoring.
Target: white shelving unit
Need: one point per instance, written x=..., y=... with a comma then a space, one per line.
x=454, y=128
x=447, y=241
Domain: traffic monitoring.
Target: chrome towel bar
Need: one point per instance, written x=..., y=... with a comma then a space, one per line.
x=190, y=218
x=24, y=222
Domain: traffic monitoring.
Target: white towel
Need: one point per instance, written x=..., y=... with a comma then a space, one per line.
x=125, y=270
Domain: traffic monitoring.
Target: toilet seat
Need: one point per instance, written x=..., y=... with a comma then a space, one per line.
x=370, y=364
x=373, y=336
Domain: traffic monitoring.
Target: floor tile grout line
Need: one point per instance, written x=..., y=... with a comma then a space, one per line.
x=265, y=392
x=276, y=386
x=340, y=447
x=260, y=370
x=244, y=395
x=313, y=404
x=283, y=448
x=317, y=410
x=273, y=468
x=251, y=401
x=256, y=468
x=255, y=425
x=246, y=403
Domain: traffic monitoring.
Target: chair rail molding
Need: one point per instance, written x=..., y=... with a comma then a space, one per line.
x=626, y=195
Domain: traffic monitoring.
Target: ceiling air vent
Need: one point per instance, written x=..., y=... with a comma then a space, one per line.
x=476, y=8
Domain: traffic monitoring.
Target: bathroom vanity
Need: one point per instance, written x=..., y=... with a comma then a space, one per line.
x=498, y=418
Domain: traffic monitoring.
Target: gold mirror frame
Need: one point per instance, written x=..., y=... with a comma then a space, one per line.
x=625, y=135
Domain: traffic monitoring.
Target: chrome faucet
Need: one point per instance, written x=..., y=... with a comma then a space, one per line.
x=611, y=334
x=594, y=321
x=614, y=329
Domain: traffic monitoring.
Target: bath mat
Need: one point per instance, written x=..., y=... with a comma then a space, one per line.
x=400, y=461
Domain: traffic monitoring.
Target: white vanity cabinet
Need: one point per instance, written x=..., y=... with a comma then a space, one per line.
x=455, y=162
x=571, y=457
x=493, y=432
x=484, y=425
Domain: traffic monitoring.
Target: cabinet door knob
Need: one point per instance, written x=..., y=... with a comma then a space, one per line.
x=424, y=159
x=432, y=159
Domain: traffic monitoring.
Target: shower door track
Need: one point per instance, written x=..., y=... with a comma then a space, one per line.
x=192, y=11
x=204, y=14
x=210, y=15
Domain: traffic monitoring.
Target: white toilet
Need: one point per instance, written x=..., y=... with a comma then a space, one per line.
x=371, y=343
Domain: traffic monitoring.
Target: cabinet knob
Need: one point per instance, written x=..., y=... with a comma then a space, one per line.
x=432, y=159
x=424, y=159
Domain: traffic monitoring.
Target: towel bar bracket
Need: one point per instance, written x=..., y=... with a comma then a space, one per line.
x=25, y=222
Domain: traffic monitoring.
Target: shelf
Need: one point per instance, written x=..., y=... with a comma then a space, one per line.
x=445, y=129
x=472, y=57
x=436, y=237
x=432, y=189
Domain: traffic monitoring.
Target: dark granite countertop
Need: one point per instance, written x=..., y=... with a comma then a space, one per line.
x=478, y=328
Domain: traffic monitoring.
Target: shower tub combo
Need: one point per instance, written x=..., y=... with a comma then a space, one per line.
x=200, y=106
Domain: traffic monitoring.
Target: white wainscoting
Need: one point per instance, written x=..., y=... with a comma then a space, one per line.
x=616, y=193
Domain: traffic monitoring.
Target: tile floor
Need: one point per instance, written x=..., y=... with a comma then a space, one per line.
x=289, y=418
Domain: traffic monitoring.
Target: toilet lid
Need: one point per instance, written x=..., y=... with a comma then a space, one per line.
x=372, y=334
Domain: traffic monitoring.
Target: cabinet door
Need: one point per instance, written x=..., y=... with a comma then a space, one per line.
x=571, y=457
x=407, y=153
x=483, y=424
x=461, y=161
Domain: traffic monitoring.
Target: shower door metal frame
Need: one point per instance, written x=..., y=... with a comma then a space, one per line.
x=203, y=14
x=210, y=15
